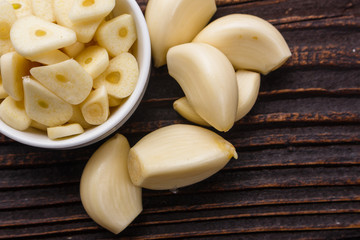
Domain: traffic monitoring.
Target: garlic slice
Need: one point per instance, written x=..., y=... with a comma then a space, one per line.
x=177, y=156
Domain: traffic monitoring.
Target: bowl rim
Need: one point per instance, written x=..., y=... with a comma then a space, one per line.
x=30, y=137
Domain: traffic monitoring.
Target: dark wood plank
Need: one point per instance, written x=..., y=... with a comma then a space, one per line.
x=297, y=176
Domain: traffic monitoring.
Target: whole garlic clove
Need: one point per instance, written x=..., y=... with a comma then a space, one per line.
x=106, y=191
x=174, y=22
x=177, y=156
x=183, y=107
x=248, y=88
x=208, y=80
x=248, y=41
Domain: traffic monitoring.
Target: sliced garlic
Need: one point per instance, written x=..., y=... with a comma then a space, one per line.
x=43, y=9
x=13, y=114
x=95, y=108
x=107, y=193
x=90, y=10
x=208, y=80
x=3, y=93
x=51, y=57
x=74, y=49
x=117, y=35
x=22, y=7
x=7, y=18
x=64, y=131
x=94, y=60
x=32, y=35
x=84, y=31
x=177, y=156
x=120, y=77
x=248, y=41
x=66, y=79
x=77, y=117
x=174, y=22
x=44, y=106
x=13, y=68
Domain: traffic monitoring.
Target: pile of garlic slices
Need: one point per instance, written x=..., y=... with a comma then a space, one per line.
x=218, y=66
x=64, y=64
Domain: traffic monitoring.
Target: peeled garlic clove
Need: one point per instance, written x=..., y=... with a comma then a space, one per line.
x=248, y=41
x=177, y=156
x=208, y=80
x=107, y=193
x=183, y=107
x=174, y=22
x=248, y=87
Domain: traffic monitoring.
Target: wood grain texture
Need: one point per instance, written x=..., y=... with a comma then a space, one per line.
x=298, y=172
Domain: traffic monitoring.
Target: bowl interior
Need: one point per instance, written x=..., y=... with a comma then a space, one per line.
x=120, y=115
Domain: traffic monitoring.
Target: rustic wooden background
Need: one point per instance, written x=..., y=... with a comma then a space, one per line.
x=298, y=173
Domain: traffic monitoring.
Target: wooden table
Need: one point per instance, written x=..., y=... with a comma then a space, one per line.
x=298, y=172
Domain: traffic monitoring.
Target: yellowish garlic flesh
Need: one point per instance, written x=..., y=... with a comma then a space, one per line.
x=176, y=156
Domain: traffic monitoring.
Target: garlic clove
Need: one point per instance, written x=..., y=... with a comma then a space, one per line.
x=248, y=41
x=174, y=22
x=106, y=191
x=177, y=156
x=208, y=80
x=248, y=88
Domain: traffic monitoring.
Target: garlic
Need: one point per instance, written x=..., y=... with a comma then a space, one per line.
x=64, y=131
x=43, y=106
x=248, y=87
x=177, y=156
x=13, y=68
x=106, y=191
x=208, y=80
x=66, y=79
x=174, y=22
x=13, y=114
x=183, y=107
x=51, y=57
x=248, y=41
x=32, y=36
x=95, y=108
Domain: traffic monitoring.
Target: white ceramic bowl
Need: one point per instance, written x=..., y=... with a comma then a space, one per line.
x=118, y=117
